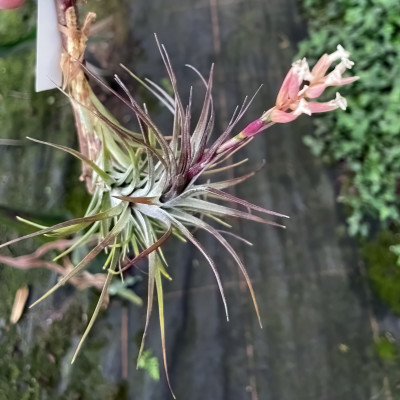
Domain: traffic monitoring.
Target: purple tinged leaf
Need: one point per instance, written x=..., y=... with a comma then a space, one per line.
x=226, y=168
x=230, y=182
x=207, y=207
x=139, y=112
x=142, y=115
x=166, y=217
x=229, y=197
x=203, y=128
x=167, y=100
x=199, y=223
x=214, y=148
x=156, y=245
x=236, y=237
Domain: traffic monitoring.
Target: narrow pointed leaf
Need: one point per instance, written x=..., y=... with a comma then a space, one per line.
x=199, y=223
x=99, y=304
x=160, y=298
x=163, y=215
x=90, y=256
x=104, y=176
x=112, y=212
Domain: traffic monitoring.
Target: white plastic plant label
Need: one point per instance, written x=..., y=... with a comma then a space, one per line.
x=48, y=47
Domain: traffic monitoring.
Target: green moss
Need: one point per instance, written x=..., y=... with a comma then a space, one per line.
x=39, y=368
x=77, y=198
x=11, y=280
x=23, y=112
x=29, y=370
x=383, y=270
x=388, y=350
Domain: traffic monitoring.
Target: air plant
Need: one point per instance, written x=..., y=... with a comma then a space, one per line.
x=150, y=185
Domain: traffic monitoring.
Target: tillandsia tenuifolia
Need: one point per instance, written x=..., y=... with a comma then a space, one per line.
x=148, y=186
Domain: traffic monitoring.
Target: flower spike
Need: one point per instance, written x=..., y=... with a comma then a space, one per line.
x=300, y=85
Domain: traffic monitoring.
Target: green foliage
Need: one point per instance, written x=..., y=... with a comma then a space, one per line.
x=121, y=289
x=150, y=364
x=38, y=368
x=383, y=269
x=17, y=26
x=23, y=105
x=387, y=349
x=23, y=112
x=365, y=137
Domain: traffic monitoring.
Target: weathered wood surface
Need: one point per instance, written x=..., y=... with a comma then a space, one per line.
x=316, y=342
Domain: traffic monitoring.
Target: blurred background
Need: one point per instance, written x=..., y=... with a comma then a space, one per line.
x=328, y=286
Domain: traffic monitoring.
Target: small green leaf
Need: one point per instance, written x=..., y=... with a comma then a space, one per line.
x=149, y=363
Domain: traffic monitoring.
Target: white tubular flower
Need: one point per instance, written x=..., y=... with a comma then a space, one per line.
x=343, y=65
x=302, y=70
x=339, y=101
x=340, y=53
x=302, y=108
x=348, y=64
x=334, y=78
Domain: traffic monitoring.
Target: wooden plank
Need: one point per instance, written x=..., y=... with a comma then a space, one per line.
x=316, y=342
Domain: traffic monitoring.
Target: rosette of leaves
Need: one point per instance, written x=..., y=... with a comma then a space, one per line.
x=148, y=186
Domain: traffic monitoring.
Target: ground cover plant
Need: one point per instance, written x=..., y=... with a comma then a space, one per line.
x=365, y=140
x=363, y=145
